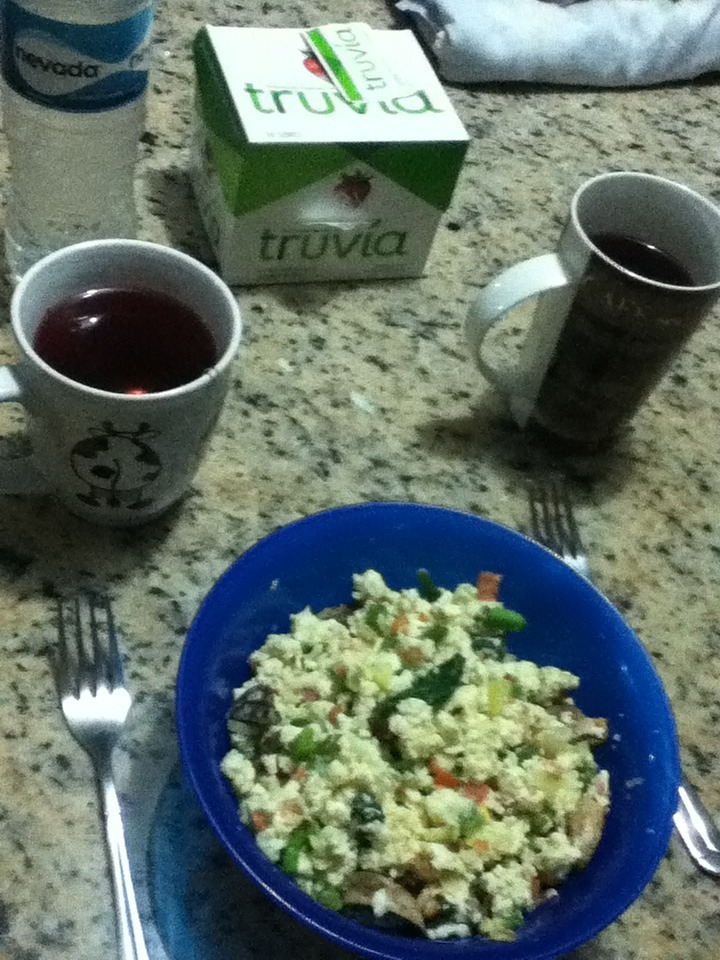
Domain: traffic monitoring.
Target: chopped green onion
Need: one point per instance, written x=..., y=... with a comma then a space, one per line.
x=491, y=645
x=372, y=617
x=436, y=632
x=328, y=896
x=298, y=840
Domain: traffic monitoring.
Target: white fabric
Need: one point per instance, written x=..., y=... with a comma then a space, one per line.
x=612, y=43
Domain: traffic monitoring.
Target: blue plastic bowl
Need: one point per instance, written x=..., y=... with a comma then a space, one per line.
x=570, y=624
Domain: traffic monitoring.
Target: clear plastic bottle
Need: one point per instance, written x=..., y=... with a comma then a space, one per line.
x=74, y=79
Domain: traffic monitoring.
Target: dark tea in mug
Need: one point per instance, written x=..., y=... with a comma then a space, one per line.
x=131, y=341
x=620, y=334
x=644, y=259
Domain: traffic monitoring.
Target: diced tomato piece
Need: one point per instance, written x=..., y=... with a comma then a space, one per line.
x=443, y=777
x=476, y=791
x=335, y=713
x=260, y=820
x=412, y=656
x=488, y=585
x=400, y=624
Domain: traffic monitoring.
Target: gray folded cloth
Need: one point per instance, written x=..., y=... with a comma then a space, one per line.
x=612, y=43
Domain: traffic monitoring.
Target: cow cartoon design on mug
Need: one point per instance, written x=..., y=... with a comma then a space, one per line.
x=117, y=466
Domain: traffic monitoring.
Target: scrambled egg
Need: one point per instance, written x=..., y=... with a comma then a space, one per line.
x=393, y=757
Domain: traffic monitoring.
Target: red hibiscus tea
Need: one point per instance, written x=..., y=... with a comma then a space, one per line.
x=131, y=341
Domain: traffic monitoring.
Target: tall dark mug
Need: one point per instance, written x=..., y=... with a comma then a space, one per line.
x=636, y=271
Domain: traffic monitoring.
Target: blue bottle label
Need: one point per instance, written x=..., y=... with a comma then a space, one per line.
x=75, y=67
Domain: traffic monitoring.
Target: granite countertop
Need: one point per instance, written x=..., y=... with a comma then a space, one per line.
x=363, y=391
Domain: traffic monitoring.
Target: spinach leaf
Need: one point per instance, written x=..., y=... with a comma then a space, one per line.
x=435, y=687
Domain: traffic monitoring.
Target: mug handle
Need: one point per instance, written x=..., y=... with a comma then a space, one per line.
x=18, y=475
x=507, y=291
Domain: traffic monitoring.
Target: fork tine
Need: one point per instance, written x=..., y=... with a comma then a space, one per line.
x=106, y=653
x=66, y=676
x=550, y=525
x=566, y=516
x=553, y=523
x=541, y=517
x=86, y=671
x=116, y=667
x=534, y=498
x=102, y=672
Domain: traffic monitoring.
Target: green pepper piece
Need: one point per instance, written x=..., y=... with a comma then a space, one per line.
x=436, y=632
x=298, y=840
x=587, y=771
x=471, y=822
x=304, y=746
x=427, y=588
x=498, y=618
x=513, y=919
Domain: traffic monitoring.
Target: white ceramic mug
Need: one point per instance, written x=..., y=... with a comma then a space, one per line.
x=114, y=458
x=603, y=334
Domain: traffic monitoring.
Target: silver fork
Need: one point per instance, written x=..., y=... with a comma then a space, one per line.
x=553, y=524
x=95, y=702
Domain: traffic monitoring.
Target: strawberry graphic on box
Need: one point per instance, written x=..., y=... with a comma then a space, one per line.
x=312, y=64
x=353, y=188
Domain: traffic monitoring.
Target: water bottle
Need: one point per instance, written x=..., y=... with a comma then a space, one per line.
x=74, y=79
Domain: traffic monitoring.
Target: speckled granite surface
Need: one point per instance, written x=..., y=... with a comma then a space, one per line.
x=361, y=392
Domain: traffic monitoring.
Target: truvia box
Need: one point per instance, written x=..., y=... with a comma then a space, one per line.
x=301, y=173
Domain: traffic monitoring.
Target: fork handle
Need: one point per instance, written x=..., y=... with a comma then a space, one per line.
x=132, y=939
x=697, y=830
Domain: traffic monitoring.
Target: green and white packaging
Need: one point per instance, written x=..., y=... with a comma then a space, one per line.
x=308, y=173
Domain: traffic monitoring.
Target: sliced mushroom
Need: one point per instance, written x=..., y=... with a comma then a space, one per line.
x=429, y=903
x=417, y=874
x=422, y=867
x=341, y=613
x=585, y=826
x=592, y=729
x=252, y=712
x=362, y=890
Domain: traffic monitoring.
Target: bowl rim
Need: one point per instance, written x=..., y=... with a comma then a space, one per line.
x=333, y=925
